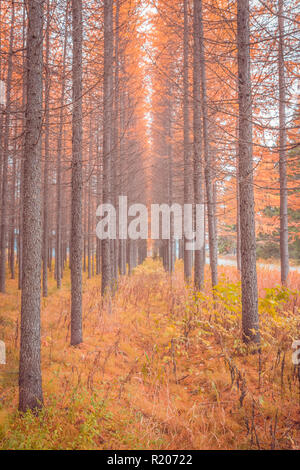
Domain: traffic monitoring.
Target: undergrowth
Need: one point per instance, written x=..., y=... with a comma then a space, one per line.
x=161, y=367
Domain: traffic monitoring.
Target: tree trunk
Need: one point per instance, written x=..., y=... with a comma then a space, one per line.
x=30, y=379
x=13, y=204
x=122, y=179
x=46, y=165
x=99, y=200
x=4, y=205
x=89, y=208
x=284, y=233
x=116, y=152
x=198, y=165
x=212, y=236
x=22, y=158
x=76, y=207
x=107, y=137
x=58, y=250
x=250, y=323
x=238, y=222
x=186, y=138
x=171, y=263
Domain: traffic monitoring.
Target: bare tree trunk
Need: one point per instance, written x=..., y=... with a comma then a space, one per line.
x=89, y=208
x=30, y=379
x=1, y=114
x=116, y=152
x=122, y=179
x=284, y=233
x=12, y=209
x=198, y=165
x=46, y=165
x=213, y=248
x=171, y=262
x=58, y=250
x=4, y=206
x=99, y=200
x=84, y=218
x=22, y=158
x=250, y=323
x=186, y=138
x=238, y=229
x=107, y=137
x=238, y=222
x=76, y=210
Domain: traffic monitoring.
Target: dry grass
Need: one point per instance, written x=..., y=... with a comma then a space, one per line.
x=160, y=368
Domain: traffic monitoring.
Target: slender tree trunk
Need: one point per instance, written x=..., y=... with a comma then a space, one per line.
x=198, y=166
x=170, y=185
x=250, y=322
x=76, y=209
x=4, y=206
x=238, y=222
x=84, y=219
x=1, y=114
x=99, y=200
x=89, y=208
x=13, y=203
x=212, y=236
x=116, y=153
x=284, y=233
x=58, y=250
x=238, y=228
x=46, y=164
x=122, y=179
x=30, y=379
x=22, y=158
x=186, y=138
x=107, y=137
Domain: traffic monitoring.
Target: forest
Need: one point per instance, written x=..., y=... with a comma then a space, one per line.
x=149, y=225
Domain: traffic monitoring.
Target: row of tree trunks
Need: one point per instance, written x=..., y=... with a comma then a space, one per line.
x=115, y=170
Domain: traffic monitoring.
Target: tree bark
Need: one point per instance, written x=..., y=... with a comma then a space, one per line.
x=4, y=205
x=122, y=179
x=284, y=233
x=116, y=144
x=238, y=222
x=46, y=164
x=186, y=138
x=30, y=379
x=22, y=160
x=250, y=323
x=198, y=164
x=89, y=208
x=212, y=236
x=58, y=250
x=99, y=200
x=76, y=206
x=13, y=205
x=171, y=251
x=107, y=137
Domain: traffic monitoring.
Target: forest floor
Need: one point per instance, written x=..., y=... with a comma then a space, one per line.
x=159, y=368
